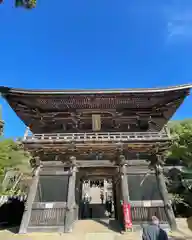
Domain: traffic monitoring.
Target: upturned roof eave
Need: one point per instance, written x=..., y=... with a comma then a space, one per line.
x=7, y=90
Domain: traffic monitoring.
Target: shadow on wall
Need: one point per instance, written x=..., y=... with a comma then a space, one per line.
x=11, y=214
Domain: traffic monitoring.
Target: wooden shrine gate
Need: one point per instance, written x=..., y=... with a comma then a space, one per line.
x=54, y=198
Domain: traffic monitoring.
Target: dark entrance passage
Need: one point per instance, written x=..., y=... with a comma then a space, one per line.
x=97, y=201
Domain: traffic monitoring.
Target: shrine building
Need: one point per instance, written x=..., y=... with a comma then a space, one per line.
x=81, y=137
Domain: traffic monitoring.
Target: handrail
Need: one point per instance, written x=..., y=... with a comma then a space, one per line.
x=97, y=136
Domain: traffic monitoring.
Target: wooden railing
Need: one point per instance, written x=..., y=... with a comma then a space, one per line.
x=97, y=137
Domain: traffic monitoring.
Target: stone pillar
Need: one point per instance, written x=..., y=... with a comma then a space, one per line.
x=72, y=210
x=164, y=193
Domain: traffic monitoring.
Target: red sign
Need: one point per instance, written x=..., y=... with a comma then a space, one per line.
x=127, y=215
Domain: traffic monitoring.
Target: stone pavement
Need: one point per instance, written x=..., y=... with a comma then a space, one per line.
x=95, y=230
x=83, y=230
x=70, y=236
x=5, y=235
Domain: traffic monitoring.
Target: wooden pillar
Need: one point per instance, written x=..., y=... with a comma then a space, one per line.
x=80, y=192
x=72, y=211
x=124, y=189
x=29, y=203
x=115, y=198
x=124, y=182
x=164, y=193
x=118, y=201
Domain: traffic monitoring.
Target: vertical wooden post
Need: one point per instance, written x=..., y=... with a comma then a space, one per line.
x=28, y=205
x=164, y=193
x=115, y=197
x=124, y=187
x=124, y=182
x=71, y=200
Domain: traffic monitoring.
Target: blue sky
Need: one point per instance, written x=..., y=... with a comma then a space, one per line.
x=95, y=44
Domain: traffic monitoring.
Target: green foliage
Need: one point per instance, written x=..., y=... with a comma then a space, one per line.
x=13, y=157
x=181, y=150
x=182, y=143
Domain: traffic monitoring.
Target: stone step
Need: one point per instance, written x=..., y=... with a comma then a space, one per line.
x=72, y=236
x=92, y=231
x=95, y=226
x=89, y=226
x=82, y=235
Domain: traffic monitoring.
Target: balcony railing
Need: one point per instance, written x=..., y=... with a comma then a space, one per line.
x=97, y=137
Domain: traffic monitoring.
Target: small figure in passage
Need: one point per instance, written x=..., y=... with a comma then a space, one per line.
x=102, y=196
x=109, y=206
x=86, y=206
x=153, y=231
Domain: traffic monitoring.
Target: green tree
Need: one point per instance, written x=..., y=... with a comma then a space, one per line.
x=182, y=142
x=13, y=158
x=181, y=151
